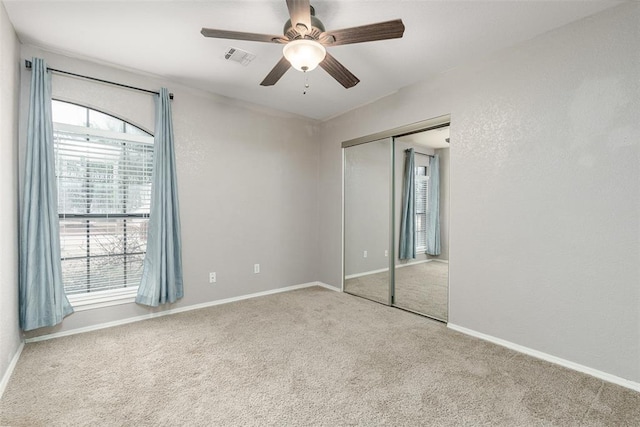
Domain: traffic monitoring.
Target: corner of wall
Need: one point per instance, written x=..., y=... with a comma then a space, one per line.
x=10, y=337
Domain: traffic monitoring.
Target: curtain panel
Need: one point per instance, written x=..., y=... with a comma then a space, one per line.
x=433, y=232
x=408, y=218
x=161, y=281
x=42, y=298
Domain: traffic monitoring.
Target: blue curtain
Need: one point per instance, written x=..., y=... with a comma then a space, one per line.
x=42, y=298
x=408, y=218
x=162, y=270
x=433, y=232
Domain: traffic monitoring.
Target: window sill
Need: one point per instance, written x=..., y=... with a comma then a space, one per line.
x=89, y=301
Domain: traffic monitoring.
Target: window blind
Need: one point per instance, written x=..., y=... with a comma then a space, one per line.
x=421, y=207
x=104, y=195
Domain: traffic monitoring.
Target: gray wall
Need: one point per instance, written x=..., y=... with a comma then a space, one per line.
x=545, y=189
x=367, y=179
x=9, y=79
x=247, y=179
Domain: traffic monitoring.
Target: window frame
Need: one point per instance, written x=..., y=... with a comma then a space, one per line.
x=425, y=178
x=108, y=297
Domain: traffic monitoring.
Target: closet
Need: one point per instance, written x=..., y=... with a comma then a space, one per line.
x=396, y=219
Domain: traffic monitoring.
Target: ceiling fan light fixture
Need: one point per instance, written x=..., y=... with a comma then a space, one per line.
x=304, y=55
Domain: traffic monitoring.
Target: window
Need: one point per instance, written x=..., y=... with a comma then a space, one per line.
x=422, y=207
x=103, y=173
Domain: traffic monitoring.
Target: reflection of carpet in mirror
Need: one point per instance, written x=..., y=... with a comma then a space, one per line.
x=419, y=287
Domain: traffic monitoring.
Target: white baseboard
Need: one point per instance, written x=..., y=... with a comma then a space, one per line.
x=366, y=273
x=382, y=270
x=549, y=358
x=10, y=368
x=175, y=310
x=409, y=264
x=331, y=288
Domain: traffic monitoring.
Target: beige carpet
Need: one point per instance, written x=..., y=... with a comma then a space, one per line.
x=302, y=358
x=420, y=287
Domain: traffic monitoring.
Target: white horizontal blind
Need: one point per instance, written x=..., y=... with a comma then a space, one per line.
x=104, y=194
x=421, y=207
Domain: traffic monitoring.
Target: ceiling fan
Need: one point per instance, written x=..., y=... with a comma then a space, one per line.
x=305, y=39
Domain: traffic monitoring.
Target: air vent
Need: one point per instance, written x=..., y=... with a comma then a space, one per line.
x=238, y=55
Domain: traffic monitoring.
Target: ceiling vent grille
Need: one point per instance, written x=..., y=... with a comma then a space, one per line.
x=238, y=55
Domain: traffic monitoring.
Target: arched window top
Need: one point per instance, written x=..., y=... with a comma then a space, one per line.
x=78, y=115
x=104, y=169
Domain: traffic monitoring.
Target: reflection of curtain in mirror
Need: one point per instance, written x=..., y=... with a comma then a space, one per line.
x=433, y=231
x=408, y=218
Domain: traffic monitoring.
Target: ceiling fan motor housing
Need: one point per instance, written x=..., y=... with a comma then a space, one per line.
x=304, y=29
x=317, y=28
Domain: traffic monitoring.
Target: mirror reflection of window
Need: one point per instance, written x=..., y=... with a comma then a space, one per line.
x=421, y=207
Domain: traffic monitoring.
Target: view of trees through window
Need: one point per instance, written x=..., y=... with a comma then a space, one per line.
x=103, y=171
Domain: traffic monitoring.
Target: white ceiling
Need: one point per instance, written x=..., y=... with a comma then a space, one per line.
x=432, y=138
x=163, y=38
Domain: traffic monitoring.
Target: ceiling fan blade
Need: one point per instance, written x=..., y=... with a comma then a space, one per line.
x=300, y=12
x=366, y=33
x=339, y=72
x=239, y=35
x=278, y=71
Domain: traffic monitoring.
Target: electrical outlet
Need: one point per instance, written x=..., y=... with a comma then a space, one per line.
x=386, y=252
x=256, y=268
x=365, y=254
x=212, y=277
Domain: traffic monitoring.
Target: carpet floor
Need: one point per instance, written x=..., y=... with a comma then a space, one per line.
x=423, y=288
x=302, y=358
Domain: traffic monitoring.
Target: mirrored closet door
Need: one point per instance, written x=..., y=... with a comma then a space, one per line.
x=396, y=228
x=367, y=218
x=422, y=199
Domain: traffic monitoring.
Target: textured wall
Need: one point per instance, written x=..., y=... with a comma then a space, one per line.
x=9, y=82
x=247, y=179
x=545, y=189
x=545, y=234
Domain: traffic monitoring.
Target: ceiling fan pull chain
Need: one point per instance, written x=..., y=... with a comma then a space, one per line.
x=306, y=83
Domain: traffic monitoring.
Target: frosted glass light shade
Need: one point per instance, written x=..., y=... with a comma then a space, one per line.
x=304, y=55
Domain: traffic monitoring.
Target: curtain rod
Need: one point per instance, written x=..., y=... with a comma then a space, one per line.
x=28, y=64
x=424, y=154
